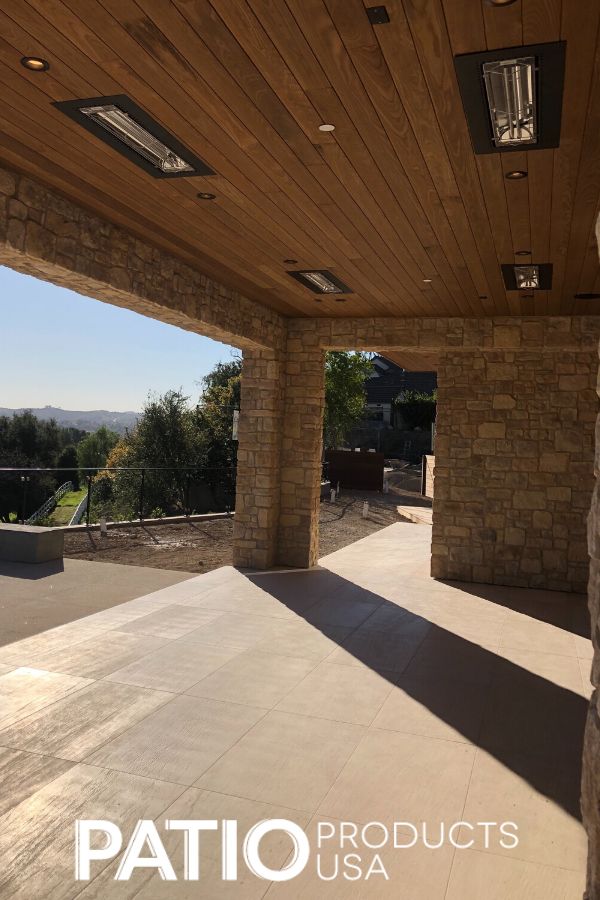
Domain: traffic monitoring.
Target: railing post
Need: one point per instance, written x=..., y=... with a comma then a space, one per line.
x=25, y=481
x=186, y=499
x=142, y=495
x=89, y=501
x=423, y=475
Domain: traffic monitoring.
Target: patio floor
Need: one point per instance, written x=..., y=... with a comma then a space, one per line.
x=360, y=692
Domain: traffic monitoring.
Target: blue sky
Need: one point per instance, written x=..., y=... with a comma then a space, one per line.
x=58, y=348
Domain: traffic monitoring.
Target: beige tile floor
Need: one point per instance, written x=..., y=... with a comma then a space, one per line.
x=360, y=692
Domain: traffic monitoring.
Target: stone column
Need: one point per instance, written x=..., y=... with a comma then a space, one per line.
x=301, y=451
x=259, y=463
x=513, y=463
x=279, y=458
x=590, y=786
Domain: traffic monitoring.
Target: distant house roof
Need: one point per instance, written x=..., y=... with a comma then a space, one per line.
x=388, y=380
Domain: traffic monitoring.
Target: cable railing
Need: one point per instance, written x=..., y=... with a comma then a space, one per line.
x=119, y=493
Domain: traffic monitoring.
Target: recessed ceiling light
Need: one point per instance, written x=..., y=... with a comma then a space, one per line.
x=326, y=127
x=35, y=63
x=512, y=97
x=534, y=277
x=321, y=281
x=120, y=122
x=204, y=195
x=516, y=174
x=427, y=280
x=290, y=262
x=522, y=252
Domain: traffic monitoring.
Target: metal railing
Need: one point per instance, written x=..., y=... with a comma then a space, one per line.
x=50, y=503
x=125, y=492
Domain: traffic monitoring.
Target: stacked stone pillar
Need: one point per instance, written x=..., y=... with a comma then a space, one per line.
x=590, y=787
x=259, y=445
x=513, y=463
x=279, y=457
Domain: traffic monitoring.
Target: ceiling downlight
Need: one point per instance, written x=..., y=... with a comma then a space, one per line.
x=35, y=63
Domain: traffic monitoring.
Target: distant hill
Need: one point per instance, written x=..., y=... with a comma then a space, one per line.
x=86, y=420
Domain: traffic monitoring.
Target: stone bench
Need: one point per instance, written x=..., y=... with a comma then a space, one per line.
x=29, y=544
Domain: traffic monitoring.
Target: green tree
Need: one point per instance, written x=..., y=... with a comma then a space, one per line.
x=214, y=414
x=165, y=443
x=416, y=408
x=345, y=375
x=69, y=460
x=223, y=374
x=93, y=450
x=28, y=442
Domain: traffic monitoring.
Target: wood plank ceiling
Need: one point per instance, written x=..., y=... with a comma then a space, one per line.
x=394, y=201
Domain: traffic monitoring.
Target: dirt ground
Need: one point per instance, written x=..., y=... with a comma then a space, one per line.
x=202, y=546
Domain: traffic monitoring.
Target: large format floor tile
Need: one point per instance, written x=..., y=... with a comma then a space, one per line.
x=445, y=655
x=37, y=836
x=526, y=713
x=476, y=875
x=253, y=678
x=286, y=759
x=24, y=691
x=522, y=633
x=180, y=740
x=401, y=776
x=298, y=638
x=342, y=693
x=377, y=650
x=360, y=691
x=72, y=728
x=547, y=833
x=21, y=774
x=100, y=655
x=175, y=667
x=171, y=622
x=343, y=609
x=437, y=708
x=26, y=651
x=238, y=630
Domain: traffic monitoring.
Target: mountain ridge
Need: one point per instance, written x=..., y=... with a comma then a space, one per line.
x=86, y=420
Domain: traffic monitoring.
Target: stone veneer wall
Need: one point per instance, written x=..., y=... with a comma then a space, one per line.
x=514, y=467
x=44, y=234
x=590, y=784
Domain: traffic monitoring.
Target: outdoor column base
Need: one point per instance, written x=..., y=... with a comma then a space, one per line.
x=279, y=458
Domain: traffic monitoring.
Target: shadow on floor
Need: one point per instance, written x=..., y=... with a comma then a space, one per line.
x=530, y=724
x=545, y=606
x=31, y=571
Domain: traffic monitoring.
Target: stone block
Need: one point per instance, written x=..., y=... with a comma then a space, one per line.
x=491, y=430
x=30, y=544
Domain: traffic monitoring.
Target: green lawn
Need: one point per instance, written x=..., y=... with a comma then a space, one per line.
x=65, y=510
